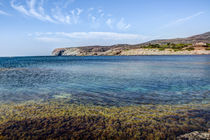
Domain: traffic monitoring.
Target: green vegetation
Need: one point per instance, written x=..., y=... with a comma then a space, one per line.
x=190, y=49
x=152, y=46
x=208, y=44
x=61, y=120
x=161, y=49
x=171, y=46
x=208, y=48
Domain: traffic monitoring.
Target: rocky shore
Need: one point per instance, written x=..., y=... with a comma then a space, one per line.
x=126, y=52
x=194, y=45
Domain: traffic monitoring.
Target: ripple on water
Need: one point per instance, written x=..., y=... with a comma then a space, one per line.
x=107, y=80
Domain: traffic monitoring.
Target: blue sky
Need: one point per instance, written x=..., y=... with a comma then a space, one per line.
x=36, y=27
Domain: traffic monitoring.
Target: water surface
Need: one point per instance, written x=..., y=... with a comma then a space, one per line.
x=107, y=80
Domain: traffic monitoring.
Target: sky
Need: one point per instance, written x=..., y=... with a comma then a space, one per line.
x=36, y=27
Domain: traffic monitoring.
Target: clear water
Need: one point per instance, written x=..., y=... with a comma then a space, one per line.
x=107, y=80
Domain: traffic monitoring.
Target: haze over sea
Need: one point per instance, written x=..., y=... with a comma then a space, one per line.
x=106, y=80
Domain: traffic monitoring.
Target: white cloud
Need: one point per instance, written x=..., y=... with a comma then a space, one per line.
x=34, y=8
x=99, y=18
x=38, y=14
x=91, y=35
x=93, y=18
x=19, y=8
x=60, y=17
x=75, y=14
x=109, y=22
x=32, y=11
x=49, y=39
x=121, y=25
x=101, y=13
x=56, y=13
x=188, y=18
x=64, y=39
x=67, y=18
x=4, y=13
x=182, y=20
x=79, y=11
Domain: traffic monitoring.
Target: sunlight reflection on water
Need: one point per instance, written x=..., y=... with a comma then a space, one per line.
x=104, y=80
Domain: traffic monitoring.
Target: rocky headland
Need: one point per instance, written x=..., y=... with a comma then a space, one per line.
x=194, y=45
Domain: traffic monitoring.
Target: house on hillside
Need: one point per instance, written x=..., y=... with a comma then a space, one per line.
x=199, y=44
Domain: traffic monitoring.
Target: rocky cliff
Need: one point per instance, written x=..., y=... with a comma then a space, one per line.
x=197, y=44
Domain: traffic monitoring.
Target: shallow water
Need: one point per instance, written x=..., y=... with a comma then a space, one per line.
x=107, y=80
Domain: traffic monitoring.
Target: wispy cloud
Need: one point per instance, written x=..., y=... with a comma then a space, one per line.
x=4, y=13
x=121, y=25
x=99, y=35
x=94, y=18
x=183, y=20
x=98, y=18
x=19, y=8
x=75, y=14
x=59, y=12
x=39, y=12
x=60, y=17
x=32, y=11
x=109, y=22
x=34, y=8
x=88, y=36
x=49, y=39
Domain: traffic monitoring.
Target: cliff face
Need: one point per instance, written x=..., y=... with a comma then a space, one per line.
x=138, y=49
x=59, y=51
x=94, y=50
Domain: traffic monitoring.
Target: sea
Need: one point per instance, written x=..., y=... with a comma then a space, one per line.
x=106, y=80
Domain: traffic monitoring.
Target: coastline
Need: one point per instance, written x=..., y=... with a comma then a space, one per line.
x=64, y=115
x=128, y=52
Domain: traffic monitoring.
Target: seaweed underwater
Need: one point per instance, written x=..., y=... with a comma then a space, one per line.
x=63, y=120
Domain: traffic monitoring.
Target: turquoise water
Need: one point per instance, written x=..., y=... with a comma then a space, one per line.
x=107, y=80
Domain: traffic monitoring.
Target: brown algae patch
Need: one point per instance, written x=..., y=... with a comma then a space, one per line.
x=59, y=120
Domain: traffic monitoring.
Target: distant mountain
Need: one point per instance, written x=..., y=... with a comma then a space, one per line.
x=205, y=38
x=139, y=49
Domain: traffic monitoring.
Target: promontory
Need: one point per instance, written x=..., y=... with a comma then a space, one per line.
x=194, y=45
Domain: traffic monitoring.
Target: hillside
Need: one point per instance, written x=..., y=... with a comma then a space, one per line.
x=198, y=44
x=189, y=40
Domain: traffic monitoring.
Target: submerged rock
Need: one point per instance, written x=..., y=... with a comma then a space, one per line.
x=195, y=136
x=4, y=69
